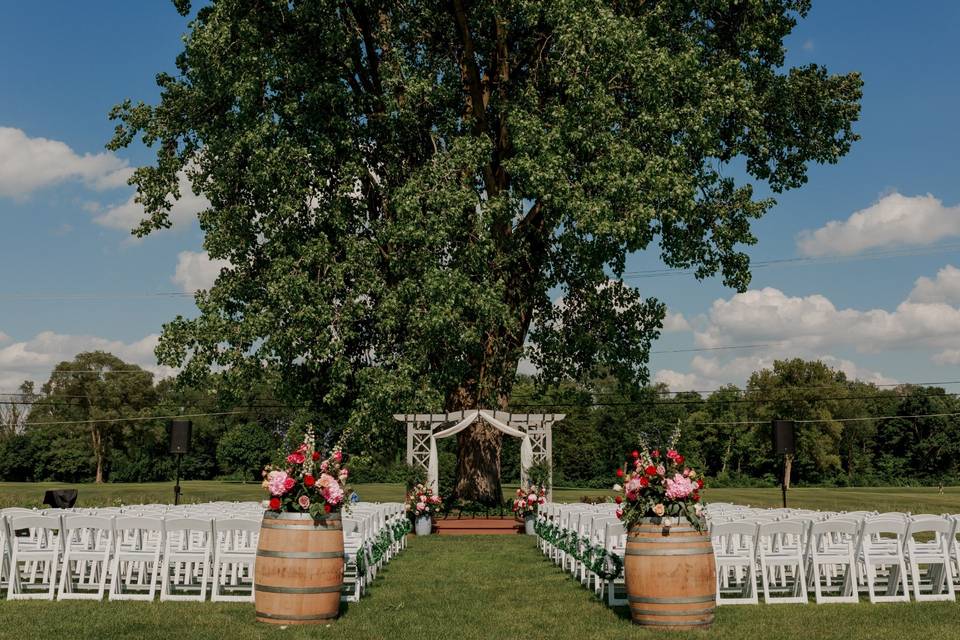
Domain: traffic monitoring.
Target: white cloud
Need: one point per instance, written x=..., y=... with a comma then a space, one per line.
x=677, y=381
x=675, y=322
x=944, y=288
x=894, y=220
x=947, y=356
x=127, y=215
x=813, y=322
x=28, y=164
x=34, y=359
x=196, y=270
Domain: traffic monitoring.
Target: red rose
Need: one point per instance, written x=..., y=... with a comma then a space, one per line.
x=326, y=508
x=636, y=454
x=315, y=456
x=619, y=473
x=274, y=504
x=643, y=481
x=699, y=483
x=679, y=459
x=696, y=496
x=618, y=499
x=309, y=480
x=651, y=470
x=655, y=453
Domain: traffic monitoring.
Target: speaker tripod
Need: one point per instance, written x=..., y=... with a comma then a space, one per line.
x=176, y=487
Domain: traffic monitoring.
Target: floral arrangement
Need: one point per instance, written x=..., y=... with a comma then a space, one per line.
x=421, y=502
x=528, y=499
x=307, y=481
x=659, y=487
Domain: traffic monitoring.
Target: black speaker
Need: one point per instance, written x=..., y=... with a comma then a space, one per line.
x=180, y=436
x=784, y=440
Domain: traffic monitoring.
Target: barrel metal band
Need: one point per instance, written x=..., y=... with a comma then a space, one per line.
x=303, y=590
x=277, y=616
x=670, y=552
x=690, y=540
x=305, y=517
x=679, y=600
x=651, y=528
x=675, y=623
x=300, y=555
x=293, y=527
x=666, y=612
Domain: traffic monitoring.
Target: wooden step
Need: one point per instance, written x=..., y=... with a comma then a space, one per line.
x=477, y=526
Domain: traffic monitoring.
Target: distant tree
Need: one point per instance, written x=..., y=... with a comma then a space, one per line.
x=244, y=450
x=91, y=392
x=399, y=188
x=14, y=409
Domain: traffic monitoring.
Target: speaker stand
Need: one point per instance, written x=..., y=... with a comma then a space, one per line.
x=176, y=487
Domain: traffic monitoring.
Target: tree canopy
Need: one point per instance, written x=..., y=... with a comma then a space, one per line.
x=401, y=189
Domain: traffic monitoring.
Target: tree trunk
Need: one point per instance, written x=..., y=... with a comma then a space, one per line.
x=478, y=464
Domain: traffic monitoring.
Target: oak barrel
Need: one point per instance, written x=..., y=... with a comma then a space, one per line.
x=670, y=576
x=299, y=568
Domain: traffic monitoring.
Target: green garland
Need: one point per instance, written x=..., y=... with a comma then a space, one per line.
x=380, y=546
x=606, y=565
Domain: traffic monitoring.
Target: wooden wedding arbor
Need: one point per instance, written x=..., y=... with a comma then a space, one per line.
x=423, y=430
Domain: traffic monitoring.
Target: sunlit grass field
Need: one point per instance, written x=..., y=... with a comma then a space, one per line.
x=915, y=500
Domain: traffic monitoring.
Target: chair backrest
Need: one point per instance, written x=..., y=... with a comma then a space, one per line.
x=236, y=524
x=836, y=525
x=32, y=521
x=737, y=527
x=879, y=526
x=933, y=524
x=789, y=527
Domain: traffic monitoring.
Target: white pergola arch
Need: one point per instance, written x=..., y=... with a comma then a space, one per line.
x=423, y=430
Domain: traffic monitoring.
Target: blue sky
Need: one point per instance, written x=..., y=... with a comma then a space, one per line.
x=65, y=209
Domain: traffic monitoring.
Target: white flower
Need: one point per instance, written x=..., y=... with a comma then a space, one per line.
x=617, y=488
x=667, y=522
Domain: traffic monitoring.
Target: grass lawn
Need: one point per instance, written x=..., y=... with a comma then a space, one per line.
x=916, y=500
x=484, y=587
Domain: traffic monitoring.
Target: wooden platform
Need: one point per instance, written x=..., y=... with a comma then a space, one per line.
x=477, y=526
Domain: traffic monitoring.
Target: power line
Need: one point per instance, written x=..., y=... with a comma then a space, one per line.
x=27, y=297
x=820, y=420
x=831, y=259
x=135, y=419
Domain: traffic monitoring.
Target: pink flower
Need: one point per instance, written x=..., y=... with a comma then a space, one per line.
x=661, y=470
x=277, y=482
x=532, y=497
x=659, y=509
x=421, y=506
x=672, y=454
x=679, y=487
x=324, y=465
x=304, y=502
x=344, y=474
x=337, y=456
x=331, y=490
x=295, y=458
x=288, y=483
x=633, y=485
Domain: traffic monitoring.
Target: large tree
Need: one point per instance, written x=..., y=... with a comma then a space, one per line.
x=93, y=394
x=402, y=187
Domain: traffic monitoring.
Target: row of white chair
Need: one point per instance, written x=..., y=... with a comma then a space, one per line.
x=181, y=553
x=784, y=553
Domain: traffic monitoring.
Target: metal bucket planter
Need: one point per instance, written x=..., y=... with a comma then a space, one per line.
x=423, y=525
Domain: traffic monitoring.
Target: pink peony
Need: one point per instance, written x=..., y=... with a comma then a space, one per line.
x=532, y=497
x=679, y=487
x=288, y=483
x=331, y=490
x=304, y=502
x=277, y=482
x=421, y=506
x=633, y=485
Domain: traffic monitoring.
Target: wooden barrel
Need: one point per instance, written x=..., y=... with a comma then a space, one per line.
x=299, y=569
x=670, y=576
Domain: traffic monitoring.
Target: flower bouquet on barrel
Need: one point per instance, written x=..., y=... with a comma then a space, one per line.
x=420, y=506
x=525, y=505
x=299, y=567
x=668, y=565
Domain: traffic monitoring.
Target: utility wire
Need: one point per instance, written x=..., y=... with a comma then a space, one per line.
x=134, y=419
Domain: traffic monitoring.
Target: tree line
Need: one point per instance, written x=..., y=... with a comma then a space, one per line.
x=95, y=420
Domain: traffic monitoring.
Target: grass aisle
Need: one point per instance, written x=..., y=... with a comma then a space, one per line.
x=484, y=587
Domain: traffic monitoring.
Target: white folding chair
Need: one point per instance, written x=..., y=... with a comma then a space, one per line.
x=34, y=541
x=615, y=542
x=934, y=555
x=135, y=571
x=880, y=553
x=830, y=548
x=735, y=553
x=234, y=559
x=780, y=552
x=187, y=552
x=87, y=547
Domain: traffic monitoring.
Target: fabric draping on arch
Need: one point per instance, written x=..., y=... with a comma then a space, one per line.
x=469, y=417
